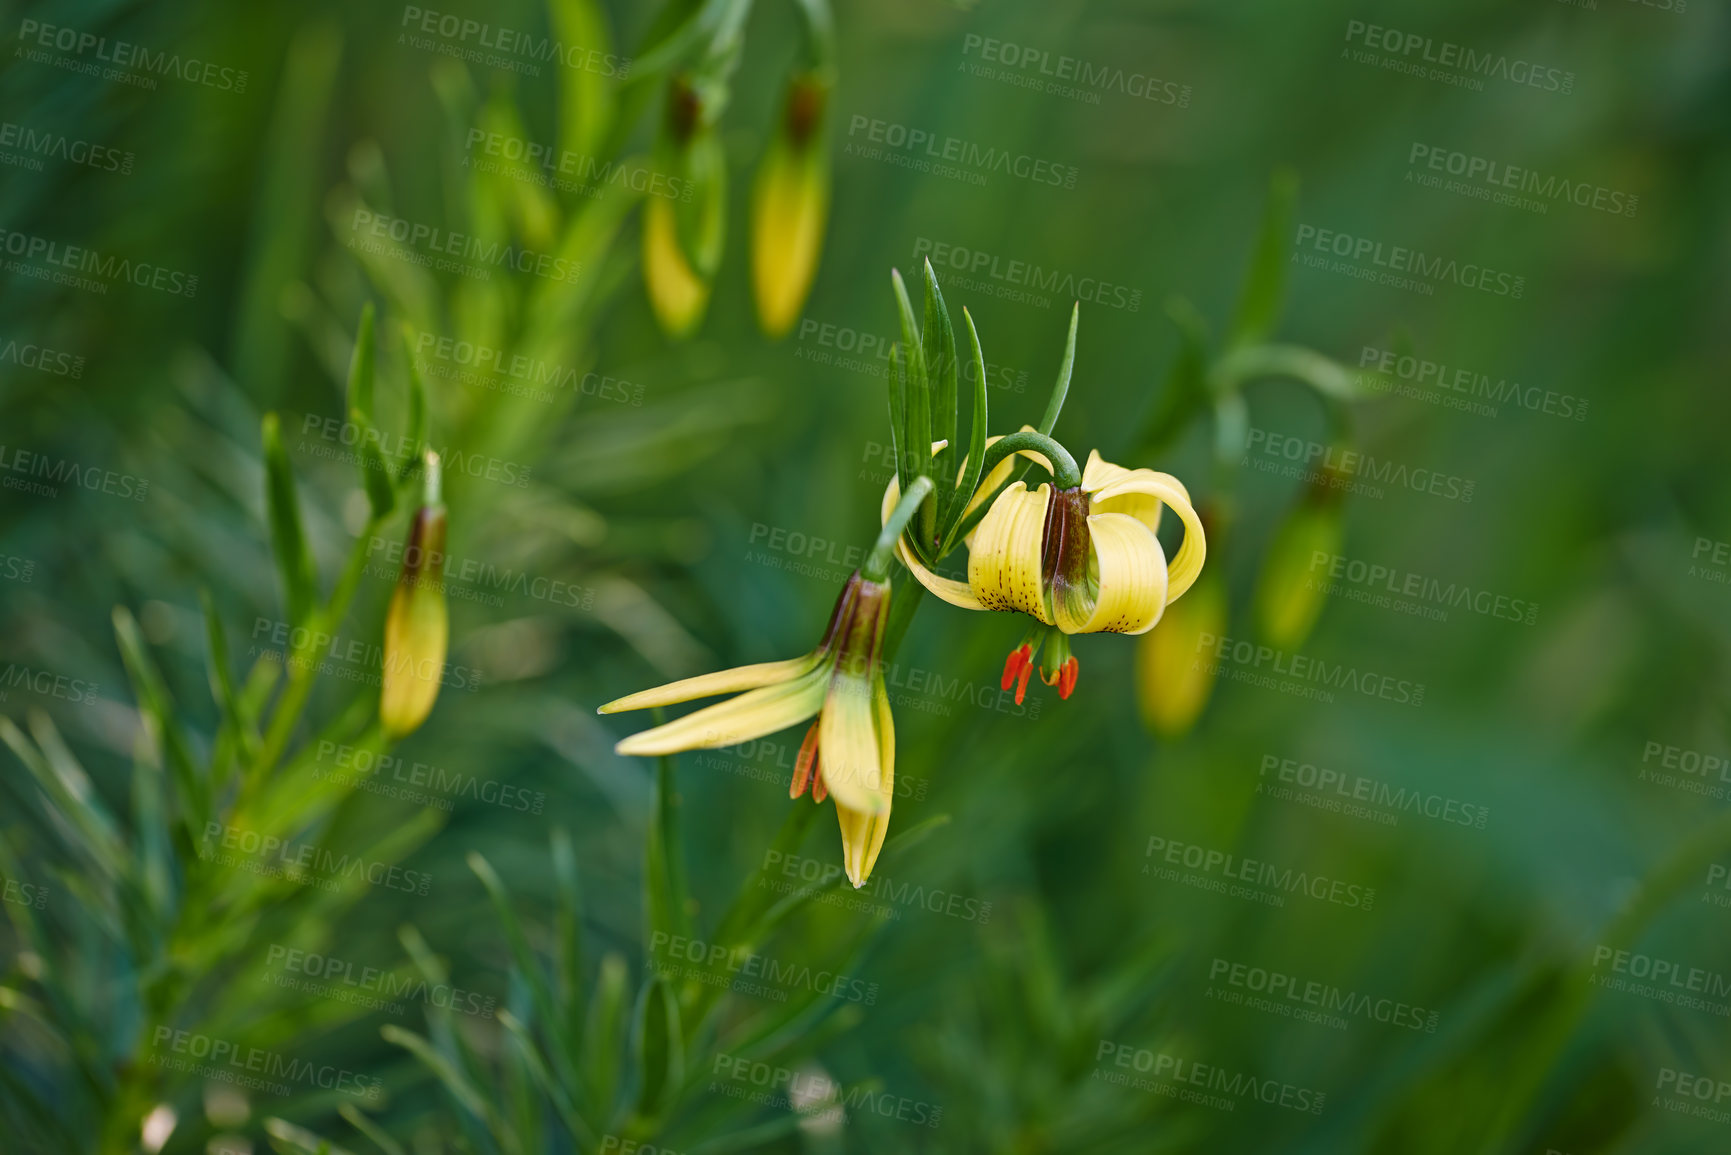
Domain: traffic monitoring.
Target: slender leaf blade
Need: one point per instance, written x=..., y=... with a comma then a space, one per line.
x=288, y=540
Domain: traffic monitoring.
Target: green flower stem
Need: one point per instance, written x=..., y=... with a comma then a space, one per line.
x=877, y=563
x=1065, y=475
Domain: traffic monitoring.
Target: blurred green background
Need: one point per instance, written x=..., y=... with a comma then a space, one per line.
x=1024, y=961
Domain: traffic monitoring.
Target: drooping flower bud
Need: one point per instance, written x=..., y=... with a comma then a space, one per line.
x=1294, y=578
x=790, y=205
x=683, y=238
x=1174, y=671
x=417, y=628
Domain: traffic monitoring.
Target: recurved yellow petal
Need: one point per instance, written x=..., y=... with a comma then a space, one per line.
x=862, y=833
x=1132, y=576
x=1141, y=484
x=708, y=685
x=1004, y=561
x=751, y=715
x=952, y=591
x=848, y=750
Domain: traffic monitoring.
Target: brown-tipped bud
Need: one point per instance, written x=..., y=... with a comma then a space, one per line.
x=790, y=206
x=1294, y=579
x=1175, y=661
x=417, y=627
x=683, y=239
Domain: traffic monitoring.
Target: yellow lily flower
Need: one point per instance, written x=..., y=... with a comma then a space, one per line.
x=1078, y=560
x=848, y=752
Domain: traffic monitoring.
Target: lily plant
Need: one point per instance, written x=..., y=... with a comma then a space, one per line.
x=1078, y=553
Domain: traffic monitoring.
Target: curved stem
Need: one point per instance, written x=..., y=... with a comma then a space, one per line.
x=1065, y=474
x=877, y=563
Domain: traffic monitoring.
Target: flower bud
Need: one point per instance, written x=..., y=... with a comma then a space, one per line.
x=790, y=205
x=417, y=628
x=683, y=239
x=1289, y=592
x=1174, y=673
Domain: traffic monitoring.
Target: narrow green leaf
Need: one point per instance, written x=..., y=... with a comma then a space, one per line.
x=660, y=1048
x=526, y=964
x=157, y=708
x=363, y=1123
x=370, y=464
x=1265, y=283
x=417, y=432
x=361, y=367
x=605, y=1033
x=976, y=442
x=939, y=348
x=288, y=541
x=914, y=455
x=567, y=936
x=1061, y=389
x=292, y=1140
x=551, y=1087
x=455, y=1081
x=69, y=791
x=664, y=886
